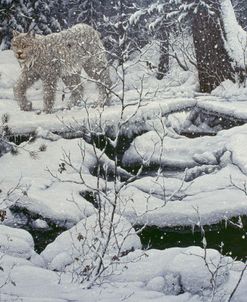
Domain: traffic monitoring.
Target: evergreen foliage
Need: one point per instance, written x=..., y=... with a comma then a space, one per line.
x=14, y=14
x=45, y=16
x=240, y=8
x=127, y=25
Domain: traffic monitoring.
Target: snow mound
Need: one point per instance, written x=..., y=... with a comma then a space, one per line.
x=153, y=149
x=40, y=191
x=173, y=202
x=18, y=243
x=172, y=275
x=231, y=91
x=76, y=248
x=178, y=270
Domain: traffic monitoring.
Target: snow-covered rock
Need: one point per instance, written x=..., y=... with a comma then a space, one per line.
x=211, y=263
x=172, y=284
x=41, y=193
x=40, y=224
x=173, y=271
x=49, y=188
x=156, y=284
x=172, y=275
x=18, y=243
x=76, y=248
x=154, y=148
x=172, y=201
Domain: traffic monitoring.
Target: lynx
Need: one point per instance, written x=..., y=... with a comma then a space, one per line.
x=60, y=55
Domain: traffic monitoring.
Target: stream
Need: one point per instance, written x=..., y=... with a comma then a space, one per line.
x=225, y=237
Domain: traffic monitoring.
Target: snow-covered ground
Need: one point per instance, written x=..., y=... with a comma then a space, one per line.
x=212, y=189
x=173, y=275
x=178, y=94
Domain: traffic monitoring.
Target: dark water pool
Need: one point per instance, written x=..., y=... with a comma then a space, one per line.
x=42, y=237
x=234, y=239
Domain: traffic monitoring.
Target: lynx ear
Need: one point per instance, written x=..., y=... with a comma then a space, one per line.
x=31, y=34
x=15, y=33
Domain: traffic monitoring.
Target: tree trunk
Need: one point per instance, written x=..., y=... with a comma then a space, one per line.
x=213, y=61
x=163, y=66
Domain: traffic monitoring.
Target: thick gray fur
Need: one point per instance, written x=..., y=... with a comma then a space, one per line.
x=60, y=55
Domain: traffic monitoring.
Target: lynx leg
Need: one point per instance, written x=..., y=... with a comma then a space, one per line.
x=49, y=88
x=24, y=82
x=104, y=90
x=100, y=73
x=73, y=82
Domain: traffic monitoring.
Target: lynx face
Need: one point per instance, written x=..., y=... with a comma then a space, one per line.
x=22, y=45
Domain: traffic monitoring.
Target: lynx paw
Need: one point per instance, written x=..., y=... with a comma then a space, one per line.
x=26, y=107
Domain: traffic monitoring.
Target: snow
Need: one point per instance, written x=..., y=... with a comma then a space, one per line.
x=78, y=243
x=40, y=224
x=210, y=169
x=170, y=272
x=26, y=122
x=45, y=196
x=210, y=162
x=212, y=195
x=156, y=284
x=229, y=90
x=18, y=243
x=205, y=155
x=134, y=18
x=155, y=147
x=178, y=91
x=236, y=37
x=180, y=152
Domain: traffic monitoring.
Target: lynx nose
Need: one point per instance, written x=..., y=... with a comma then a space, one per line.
x=19, y=52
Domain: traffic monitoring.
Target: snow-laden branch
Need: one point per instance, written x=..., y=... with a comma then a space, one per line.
x=235, y=35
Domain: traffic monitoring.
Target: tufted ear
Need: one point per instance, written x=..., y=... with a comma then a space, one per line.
x=31, y=34
x=15, y=33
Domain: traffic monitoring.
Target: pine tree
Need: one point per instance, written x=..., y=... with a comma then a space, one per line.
x=240, y=7
x=15, y=14
x=215, y=63
x=123, y=30
x=161, y=26
x=45, y=16
x=91, y=12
